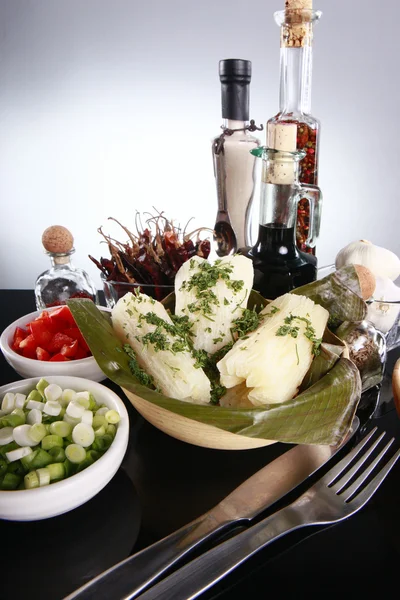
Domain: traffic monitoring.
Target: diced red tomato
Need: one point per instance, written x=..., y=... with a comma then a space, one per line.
x=19, y=335
x=28, y=347
x=53, y=336
x=58, y=341
x=58, y=358
x=81, y=353
x=62, y=318
x=41, y=332
x=75, y=334
x=69, y=350
x=42, y=354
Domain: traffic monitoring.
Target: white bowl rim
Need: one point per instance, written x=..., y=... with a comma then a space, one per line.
x=6, y=336
x=122, y=431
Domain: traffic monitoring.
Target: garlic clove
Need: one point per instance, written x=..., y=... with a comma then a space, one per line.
x=382, y=262
x=386, y=289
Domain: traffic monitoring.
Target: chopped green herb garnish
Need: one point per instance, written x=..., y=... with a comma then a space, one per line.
x=217, y=391
x=202, y=282
x=309, y=332
x=135, y=368
x=249, y=321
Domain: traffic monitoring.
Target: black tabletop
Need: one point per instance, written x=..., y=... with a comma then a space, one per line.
x=164, y=483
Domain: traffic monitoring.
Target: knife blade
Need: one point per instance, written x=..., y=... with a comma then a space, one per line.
x=129, y=578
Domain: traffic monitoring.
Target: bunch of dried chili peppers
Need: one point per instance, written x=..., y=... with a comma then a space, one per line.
x=151, y=256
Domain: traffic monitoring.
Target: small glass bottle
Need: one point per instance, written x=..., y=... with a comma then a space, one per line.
x=62, y=281
x=234, y=166
x=295, y=101
x=279, y=266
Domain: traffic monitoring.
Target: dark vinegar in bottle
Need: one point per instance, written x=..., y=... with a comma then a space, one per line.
x=279, y=266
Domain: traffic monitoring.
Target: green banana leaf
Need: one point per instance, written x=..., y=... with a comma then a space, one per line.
x=339, y=293
x=322, y=414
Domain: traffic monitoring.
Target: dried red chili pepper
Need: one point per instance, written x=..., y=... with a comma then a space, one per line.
x=150, y=258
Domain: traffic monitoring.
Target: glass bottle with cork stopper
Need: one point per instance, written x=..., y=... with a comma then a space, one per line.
x=62, y=281
x=297, y=22
x=279, y=266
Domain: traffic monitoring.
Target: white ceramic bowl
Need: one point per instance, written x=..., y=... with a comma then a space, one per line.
x=63, y=496
x=30, y=367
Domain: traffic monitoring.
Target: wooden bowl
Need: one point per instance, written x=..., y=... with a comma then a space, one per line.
x=191, y=431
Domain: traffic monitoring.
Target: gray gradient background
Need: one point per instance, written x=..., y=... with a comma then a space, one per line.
x=108, y=106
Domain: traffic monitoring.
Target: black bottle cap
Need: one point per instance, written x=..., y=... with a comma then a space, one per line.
x=235, y=77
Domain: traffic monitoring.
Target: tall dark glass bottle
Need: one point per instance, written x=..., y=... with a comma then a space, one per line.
x=234, y=165
x=279, y=266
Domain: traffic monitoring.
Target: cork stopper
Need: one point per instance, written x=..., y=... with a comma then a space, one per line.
x=298, y=5
x=297, y=26
x=57, y=239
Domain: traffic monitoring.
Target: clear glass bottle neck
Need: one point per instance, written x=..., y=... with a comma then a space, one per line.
x=60, y=261
x=295, y=80
x=231, y=124
x=280, y=187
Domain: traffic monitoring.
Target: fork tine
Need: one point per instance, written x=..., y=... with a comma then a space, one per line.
x=340, y=484
x=363, y=497
x=351, y=490
x=334, y=473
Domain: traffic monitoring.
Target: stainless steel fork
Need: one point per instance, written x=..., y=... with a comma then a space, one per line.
x=340, y=493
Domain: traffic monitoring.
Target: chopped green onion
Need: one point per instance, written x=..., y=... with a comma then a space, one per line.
x=84, y=399
x=34, y=416
x=51, y=440
x=13, y=419
x=10, y=481
x=75, y=410
x=111, y=430
x=42, y=459
x=20, y=400
x=75, y=453
x=52, y=408
x=18, y=453
x=8, y=402
x=22, y=437
x=37, y=432
x=43, y=476
x=32, y=404
x=27, y=460
x=67, y=396
x=31, y=480
x=57, y=471
x=98, y=421
x=52, y=392
x=92, y=403
x=6, y=436
x=35, y=396
x=69, y=468
x=3, y=467
x=57, y=454
x=112, y=417
x=41, y=385
x=100, y=431
x=61, y=428
x=83, y=434
x=7, y=448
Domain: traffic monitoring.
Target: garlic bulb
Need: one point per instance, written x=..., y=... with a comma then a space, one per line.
x=386, y=289
x=382, y=262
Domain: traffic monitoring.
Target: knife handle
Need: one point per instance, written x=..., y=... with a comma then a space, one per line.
x=127, y=579
x=197, y=576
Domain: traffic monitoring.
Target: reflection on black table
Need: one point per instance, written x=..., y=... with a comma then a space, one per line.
x=175, y=483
